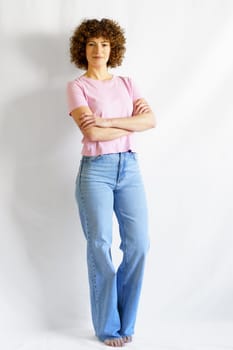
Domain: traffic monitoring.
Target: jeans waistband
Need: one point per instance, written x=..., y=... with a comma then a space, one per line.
x=111, y=156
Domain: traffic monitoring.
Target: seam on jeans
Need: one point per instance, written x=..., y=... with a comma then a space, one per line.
x=118, y=169
x=125, y=253
x=93, y=273
x=125, y=245
x=79, y=172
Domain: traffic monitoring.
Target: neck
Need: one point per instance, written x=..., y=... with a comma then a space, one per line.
x=98, y=73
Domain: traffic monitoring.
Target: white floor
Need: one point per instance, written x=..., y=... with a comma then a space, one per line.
x=161, y=337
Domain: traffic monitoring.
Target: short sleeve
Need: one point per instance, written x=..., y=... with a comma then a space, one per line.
x=136, y=93
x=75, y=96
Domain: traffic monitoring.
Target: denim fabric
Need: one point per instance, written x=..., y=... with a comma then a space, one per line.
x=106, y=184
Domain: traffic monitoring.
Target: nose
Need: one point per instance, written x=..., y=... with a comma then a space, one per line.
x=98, y=48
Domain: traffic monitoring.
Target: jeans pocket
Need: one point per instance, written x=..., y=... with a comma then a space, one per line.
x=92, y=158
x=79, y=171
x=135, y=156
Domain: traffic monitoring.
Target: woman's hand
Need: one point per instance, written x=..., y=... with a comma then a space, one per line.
x=140, y=107
x=89, y=120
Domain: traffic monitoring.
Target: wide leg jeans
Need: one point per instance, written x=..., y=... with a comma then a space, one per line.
x=107, y=184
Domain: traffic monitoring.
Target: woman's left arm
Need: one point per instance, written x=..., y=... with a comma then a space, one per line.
x=143, y=119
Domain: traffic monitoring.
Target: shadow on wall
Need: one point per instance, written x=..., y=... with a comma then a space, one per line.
x=38, y=140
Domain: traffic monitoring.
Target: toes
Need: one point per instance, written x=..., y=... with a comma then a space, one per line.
x=127, y=339
x=115, y=342
x=118, y=342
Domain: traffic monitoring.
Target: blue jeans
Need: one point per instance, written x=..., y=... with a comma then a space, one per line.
x=106, y=184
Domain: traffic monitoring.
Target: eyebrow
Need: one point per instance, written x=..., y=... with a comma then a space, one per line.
x=93, y=41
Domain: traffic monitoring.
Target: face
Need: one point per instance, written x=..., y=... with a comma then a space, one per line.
x=98, y=51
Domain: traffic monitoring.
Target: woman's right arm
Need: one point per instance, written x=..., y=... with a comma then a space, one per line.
x=95, y=133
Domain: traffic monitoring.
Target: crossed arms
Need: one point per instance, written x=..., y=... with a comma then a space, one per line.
x=96, y=128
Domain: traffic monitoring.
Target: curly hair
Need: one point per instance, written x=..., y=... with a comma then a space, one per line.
x=93, y=28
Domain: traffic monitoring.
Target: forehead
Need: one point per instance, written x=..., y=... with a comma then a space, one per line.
x=98, y=40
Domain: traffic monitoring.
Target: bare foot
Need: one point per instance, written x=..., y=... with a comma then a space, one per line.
x=127, y=339
x=116, y=342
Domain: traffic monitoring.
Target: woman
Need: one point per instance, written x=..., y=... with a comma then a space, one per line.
x=108, y=109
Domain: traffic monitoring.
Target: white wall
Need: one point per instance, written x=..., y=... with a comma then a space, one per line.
x=180, y=54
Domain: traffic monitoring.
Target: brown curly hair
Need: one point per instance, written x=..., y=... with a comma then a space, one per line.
x=93, y=28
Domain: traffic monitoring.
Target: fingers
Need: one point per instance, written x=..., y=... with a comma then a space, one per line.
x=140, y=102
x=86, y=121
x=89, y=120
x=141, y=106
x=142, y=109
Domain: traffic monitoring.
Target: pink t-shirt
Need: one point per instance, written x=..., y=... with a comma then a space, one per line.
x=107, y=99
